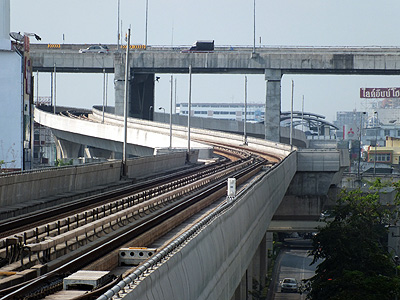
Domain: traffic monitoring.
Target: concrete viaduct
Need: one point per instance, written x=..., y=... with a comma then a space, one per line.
x=218, y=262
x=273, y=62
x=229, y=249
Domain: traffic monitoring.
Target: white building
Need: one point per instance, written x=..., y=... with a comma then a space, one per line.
x=226, y=111
x=11, y=112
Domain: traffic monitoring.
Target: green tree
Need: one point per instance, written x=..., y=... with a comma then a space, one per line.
x=61, y=163
x=354, y=260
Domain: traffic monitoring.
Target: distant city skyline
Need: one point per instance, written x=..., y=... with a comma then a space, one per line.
x=178, y=22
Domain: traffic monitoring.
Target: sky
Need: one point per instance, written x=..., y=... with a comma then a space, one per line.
x=181, y=22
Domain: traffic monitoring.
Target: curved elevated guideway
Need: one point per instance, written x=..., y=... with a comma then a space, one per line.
x=219, y=252
x=228, y=241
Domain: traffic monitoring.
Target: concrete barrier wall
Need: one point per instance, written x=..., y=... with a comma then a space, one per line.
x=233, y=126
x=28, y=186
x=211, y=265
x=35, y=185
x=148, y=165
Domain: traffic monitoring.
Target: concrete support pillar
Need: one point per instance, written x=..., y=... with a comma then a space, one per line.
x=97, y=152
x=141, y=101
x=269, y=243
x=258, y=268
x=66, y=149
x=272, y=104
x=119, y=83
x=87, y=152
x=241, y=290
x=141, y=91
x=263, y=262
x=394, y=240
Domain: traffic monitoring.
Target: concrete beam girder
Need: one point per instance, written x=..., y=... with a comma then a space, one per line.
x=212, y=273
x=300, y=60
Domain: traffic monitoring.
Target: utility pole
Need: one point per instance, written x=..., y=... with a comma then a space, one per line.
x=359, y=148
x=254, y=26
x=245, y=111
x=55, y=87
x=376, y=141
x=170, y=113
x=189, y=106
x=291, y=117
x=124, y=154
x=118, y=35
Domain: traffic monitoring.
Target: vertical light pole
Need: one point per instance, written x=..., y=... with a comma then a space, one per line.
x=291, y=117
x=245, y=111
x=118, y=35
x=147, y=16
x=176, y=84
x=302, y=114
x=104, y=91
x=51, y=88
x=189, y=106
x=359, y=148
x=124, y=154
x=55, y=91
x=265, y=110
x=106, y=87
x=37, y=87
x=376, y=141
x=254, y=26
x=170, y=113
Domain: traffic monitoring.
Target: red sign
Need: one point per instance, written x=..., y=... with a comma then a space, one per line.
x=379, y=92
x=26, y=43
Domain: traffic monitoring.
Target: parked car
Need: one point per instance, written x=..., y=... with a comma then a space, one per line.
x=95, y=49
x=289, y=285
x=326, y=215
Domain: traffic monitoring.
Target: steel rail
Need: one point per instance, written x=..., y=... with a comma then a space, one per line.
x=17, y=222
x=143, y=226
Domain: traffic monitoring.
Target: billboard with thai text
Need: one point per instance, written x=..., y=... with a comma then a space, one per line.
x=393, y=92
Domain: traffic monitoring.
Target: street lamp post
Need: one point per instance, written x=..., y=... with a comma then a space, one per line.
x=118, y=34
x=291, y=118
x=147, y=16
x=254, y=26
x=126, y=95
x=376, y=141
x=104, y=91
x=359, y=148
x=54, y=90
x=170, y=113
x=245, y=111
x=189, y=107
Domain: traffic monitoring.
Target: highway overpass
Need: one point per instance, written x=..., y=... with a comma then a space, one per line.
x=273, y=62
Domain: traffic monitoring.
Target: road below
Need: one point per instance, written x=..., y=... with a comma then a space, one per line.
x=293, y=262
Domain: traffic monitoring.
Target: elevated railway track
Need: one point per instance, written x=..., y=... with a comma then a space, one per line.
x=63, y=240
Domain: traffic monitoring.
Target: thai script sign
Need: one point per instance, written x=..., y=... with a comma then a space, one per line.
x=379, y=92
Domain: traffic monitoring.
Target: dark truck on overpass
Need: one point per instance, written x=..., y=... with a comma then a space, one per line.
x=201, y=46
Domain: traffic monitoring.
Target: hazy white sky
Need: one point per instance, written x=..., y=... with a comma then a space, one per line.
x=181, y=22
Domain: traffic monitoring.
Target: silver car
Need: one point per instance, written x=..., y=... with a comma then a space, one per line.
x=289, y=285
x=95, y=49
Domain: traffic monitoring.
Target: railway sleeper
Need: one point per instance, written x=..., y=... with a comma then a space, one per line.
x=84, y=231
x=54, y=229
